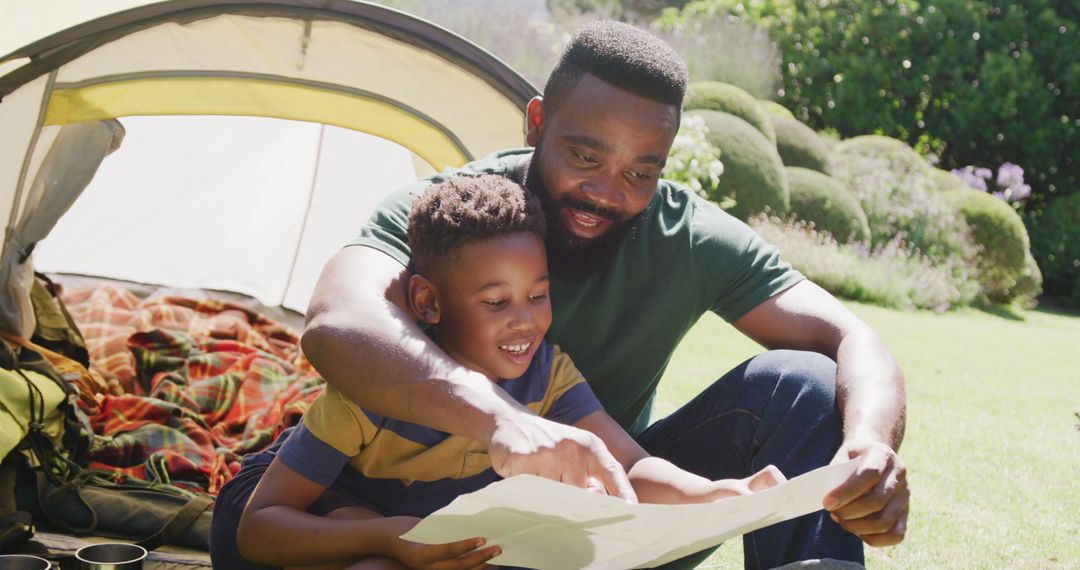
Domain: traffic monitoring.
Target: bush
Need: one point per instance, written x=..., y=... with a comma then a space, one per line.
x=1055, y=243
x=890, y=274
x=693, y=160
x=825, y=203
x=775, y=109
x=894, y=187
x=799, y=145
x=716, y=96
x=945, y=180
x=999, y=232
x=753, y=173
x=728, y=51
x=974, y=81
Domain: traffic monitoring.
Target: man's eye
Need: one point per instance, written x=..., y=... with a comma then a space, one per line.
x=588, y=158
x=639, y=176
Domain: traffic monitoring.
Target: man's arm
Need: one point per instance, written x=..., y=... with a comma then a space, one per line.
x=362, y=339
x=873, y=503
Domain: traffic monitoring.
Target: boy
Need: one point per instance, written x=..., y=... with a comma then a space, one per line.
x=341, y=487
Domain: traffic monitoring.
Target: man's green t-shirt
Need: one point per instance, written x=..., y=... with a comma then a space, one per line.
x=687, y=256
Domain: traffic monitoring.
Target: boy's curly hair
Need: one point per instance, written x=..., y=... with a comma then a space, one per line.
x=463, y=209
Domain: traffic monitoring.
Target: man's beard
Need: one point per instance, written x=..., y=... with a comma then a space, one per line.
x=570, y=256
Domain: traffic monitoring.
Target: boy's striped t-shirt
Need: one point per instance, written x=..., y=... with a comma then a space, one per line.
x=402, y=468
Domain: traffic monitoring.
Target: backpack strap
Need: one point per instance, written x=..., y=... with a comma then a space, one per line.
x=180, y=522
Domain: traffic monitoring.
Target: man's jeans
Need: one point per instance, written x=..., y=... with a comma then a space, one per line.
x=777, y=408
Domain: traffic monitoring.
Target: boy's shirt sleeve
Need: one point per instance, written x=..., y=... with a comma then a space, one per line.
x=333, y=431
x=569, y=397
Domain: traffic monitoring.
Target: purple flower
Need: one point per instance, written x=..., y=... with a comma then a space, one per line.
x=983, y=173
x=1010, y=176
x=971, y=177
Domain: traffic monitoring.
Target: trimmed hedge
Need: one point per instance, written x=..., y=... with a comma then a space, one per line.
x=775, y=109
x=1055, y=243
x=799, y=145
x=827, y=204
x=716, y=96
x=753, y=172
x=945, y=180
x=999, y=231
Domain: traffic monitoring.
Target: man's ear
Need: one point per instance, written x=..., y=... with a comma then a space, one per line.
x=533, y=119
x=423, y=299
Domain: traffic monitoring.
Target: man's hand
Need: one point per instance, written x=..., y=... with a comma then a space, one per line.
x=873, y=502
x=529, y=444
x=462, y=555
x=767, y=478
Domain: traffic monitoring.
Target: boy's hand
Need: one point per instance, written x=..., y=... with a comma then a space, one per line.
x=461, y=555
x=534, y=445
x=764, y=479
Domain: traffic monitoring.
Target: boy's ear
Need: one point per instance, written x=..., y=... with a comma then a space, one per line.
x=533, y=120
x=423, y=299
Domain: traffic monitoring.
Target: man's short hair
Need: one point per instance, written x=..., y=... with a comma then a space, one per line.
x=463, y=209
x=620, y=55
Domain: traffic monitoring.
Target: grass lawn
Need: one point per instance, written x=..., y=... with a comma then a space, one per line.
x=992, y=445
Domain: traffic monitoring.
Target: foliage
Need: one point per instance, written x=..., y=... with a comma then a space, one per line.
x=971, y=81
x=894, y=187
x=1009, y=184
x=890, y=274
x=826, y=205
x=945, y=180
x=799, y=145
x=775, y=109
x=1055, y=243
x=727, y=51
x=693, y=161
x=716, y=96
x=1000, y=234
x=753, y=173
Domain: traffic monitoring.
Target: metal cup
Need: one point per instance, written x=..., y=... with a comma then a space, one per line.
x=110, y=556
x=23, y=562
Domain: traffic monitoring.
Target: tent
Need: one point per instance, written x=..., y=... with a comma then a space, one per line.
x=258, y=134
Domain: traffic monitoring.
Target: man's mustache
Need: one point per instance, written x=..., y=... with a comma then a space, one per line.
x=589, y=208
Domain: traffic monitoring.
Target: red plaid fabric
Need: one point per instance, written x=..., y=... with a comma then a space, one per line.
x=193, y=384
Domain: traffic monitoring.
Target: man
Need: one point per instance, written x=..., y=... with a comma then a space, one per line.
x=635, y=261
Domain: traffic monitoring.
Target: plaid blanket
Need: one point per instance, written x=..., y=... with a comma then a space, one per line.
x=191, y=384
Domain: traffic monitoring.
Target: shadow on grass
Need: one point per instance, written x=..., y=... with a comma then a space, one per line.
x=1009, y=312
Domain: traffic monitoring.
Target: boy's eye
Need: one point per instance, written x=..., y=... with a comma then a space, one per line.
x=495, y=303
x=538, y=297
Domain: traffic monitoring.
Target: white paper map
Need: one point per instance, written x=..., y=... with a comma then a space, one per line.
x=544, y=524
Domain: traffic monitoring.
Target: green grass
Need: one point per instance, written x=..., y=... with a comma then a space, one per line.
x=992, y=445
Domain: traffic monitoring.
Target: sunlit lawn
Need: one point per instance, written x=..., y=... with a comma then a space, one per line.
x=992, y=446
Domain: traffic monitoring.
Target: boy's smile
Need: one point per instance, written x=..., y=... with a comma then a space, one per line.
x=493, y=301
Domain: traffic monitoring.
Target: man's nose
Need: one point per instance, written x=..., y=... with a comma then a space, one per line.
x=603, y=190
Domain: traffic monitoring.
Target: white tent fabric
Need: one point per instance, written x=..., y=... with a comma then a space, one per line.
x=256, y=198
x=243, y=204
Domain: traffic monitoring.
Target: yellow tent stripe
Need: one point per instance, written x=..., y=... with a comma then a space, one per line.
x=258, y=98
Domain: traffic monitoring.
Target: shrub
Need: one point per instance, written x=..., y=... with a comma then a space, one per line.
x=775, y=109
x=945, y=180
x=716, y=96
x=1055, y=243
x=890, y=274
x=894, y=187
x=974, y=81
x=799, y=145
x=728, y=51
x=825, y=203
x=1000, y=234
x=753, y=173
x=693, y=160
